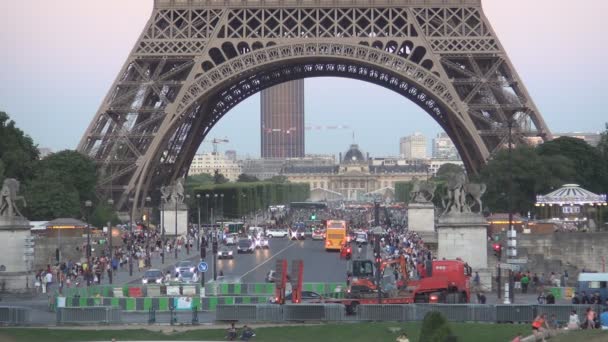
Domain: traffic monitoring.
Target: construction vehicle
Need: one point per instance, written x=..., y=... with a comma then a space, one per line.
x=448, y=282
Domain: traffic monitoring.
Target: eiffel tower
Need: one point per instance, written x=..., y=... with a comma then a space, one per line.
x=197, y=59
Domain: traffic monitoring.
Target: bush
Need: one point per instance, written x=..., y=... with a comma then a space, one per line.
x=435, y=328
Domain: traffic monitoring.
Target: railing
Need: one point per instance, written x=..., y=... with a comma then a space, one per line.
x=398, y=313
x=90, y=315
x=10, y=315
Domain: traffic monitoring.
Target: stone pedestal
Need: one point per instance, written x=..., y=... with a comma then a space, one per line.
x=168, y=218
x=17, y=249
x=464, y=236
x=421, y=217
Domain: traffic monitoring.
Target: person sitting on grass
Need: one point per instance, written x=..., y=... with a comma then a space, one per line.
x=574, y=322
x=231, y=332
x=539, y=325
x=403, y=338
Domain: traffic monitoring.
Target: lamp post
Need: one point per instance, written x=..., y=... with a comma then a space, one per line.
x=198, y=235
x=215, y=242
x=147, y=223
x=162, y=230
x=88, y=205
x=111, y=204
x=175, y=247
x=207, y=209
x=131, y=236
x=511, y=251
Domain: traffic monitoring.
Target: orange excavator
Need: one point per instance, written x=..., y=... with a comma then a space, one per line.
x=363, y=275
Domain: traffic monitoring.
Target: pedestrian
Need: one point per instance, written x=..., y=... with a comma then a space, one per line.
x=541, y=297
x=589, y=319
x=539, y=325
x=604, y=319
x=48, y=279
x=476, y=280
x=573, y=322
x=584, y=298
x=524, y=283
x=575, y=299
x=550, y=299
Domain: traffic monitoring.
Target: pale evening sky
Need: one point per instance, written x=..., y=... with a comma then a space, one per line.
x=59, y=58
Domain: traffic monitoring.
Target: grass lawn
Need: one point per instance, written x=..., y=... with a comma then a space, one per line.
x=582, y=335
x=364, y=332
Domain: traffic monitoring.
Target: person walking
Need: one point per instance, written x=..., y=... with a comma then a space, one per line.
x=524, y=283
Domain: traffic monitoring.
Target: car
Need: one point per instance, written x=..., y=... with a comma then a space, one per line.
x=187, y=277
x=298, y=234
x=263, y=243
x=152, y=276
x=361, y=238
x=183, y=266
x=225, y=253
x=276, y=233
x=307, y=297
x=231, y=240
x=271, y=276
x=346, y=252
x=245, y=246
x=318, y=234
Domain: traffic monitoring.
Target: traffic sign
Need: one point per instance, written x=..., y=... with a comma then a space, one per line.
x=517, y=261
x=508, y=266
x=202, y=267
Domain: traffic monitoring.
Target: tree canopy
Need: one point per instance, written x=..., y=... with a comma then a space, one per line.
x=17, y=151
x=245, y=178
x=219, y=178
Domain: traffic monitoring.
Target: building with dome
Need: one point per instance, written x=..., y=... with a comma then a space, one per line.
x=356, y=177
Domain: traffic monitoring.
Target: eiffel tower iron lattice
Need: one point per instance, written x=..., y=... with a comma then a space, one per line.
x=197, y=59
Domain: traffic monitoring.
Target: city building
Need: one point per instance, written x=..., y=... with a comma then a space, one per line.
x=356, y=177
x=413, y=146
x=267, y=168
x=230, y=154
x=282, y=120
x=209, y=162
x=44, y=152
x=444, y=148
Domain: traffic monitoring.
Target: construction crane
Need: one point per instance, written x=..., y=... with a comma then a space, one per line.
x=215, y=142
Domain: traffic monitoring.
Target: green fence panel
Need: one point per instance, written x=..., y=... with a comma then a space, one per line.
x=212, y=303
x=229, y=300
x=196, y=303
x=246, y=300
x=237, y=289
x=163, y=304
x=223, y=290
x=115, y=302
x=557, y=292
x=270, y=289
x=130, y=306
x=147, y=303
x=82, y=302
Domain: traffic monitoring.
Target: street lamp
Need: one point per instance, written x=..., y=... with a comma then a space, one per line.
x=215, y=242
x=131, y=236
x=162, y=230
x=111, y=204
x=147, y=223
x=198, y=236
x=88, y=205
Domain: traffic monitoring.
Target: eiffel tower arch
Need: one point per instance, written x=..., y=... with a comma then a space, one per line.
x=197, y=59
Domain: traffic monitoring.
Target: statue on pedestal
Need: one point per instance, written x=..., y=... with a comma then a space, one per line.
x=462, y=195
x=174, y=193
x=9, y=198
x=422, y=192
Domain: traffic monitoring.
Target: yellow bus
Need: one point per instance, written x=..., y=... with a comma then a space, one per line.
x=335, y=235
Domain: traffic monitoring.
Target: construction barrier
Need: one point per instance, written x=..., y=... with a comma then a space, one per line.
x=399, y=313
x=158, y=303
x=89, y=315
x=334, y=290
x=11, y=315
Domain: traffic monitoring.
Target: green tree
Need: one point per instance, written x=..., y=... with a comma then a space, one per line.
x=448, y=169
x=219, y=178
x=70, y=168
x=435, y=328
x=48, y=199
x=1, y=171
x=603, y=144
x=245, y=178
x=17, y=150
x=532, y=175
x=102, y=214
x=200, y=179
x=589, y=165
x=402, y=191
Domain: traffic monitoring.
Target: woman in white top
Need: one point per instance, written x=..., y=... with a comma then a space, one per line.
x=573, y=322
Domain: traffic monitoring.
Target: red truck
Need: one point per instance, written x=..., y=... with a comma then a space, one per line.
x=448, y=283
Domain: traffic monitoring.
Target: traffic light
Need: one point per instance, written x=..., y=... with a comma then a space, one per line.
x=497, y=250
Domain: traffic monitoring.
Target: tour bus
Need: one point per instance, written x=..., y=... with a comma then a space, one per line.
x=592, y=283
x=335, y=235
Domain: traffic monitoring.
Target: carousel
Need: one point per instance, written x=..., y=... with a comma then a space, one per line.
x=572, y=207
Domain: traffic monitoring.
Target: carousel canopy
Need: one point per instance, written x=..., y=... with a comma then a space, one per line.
x=571, y=194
